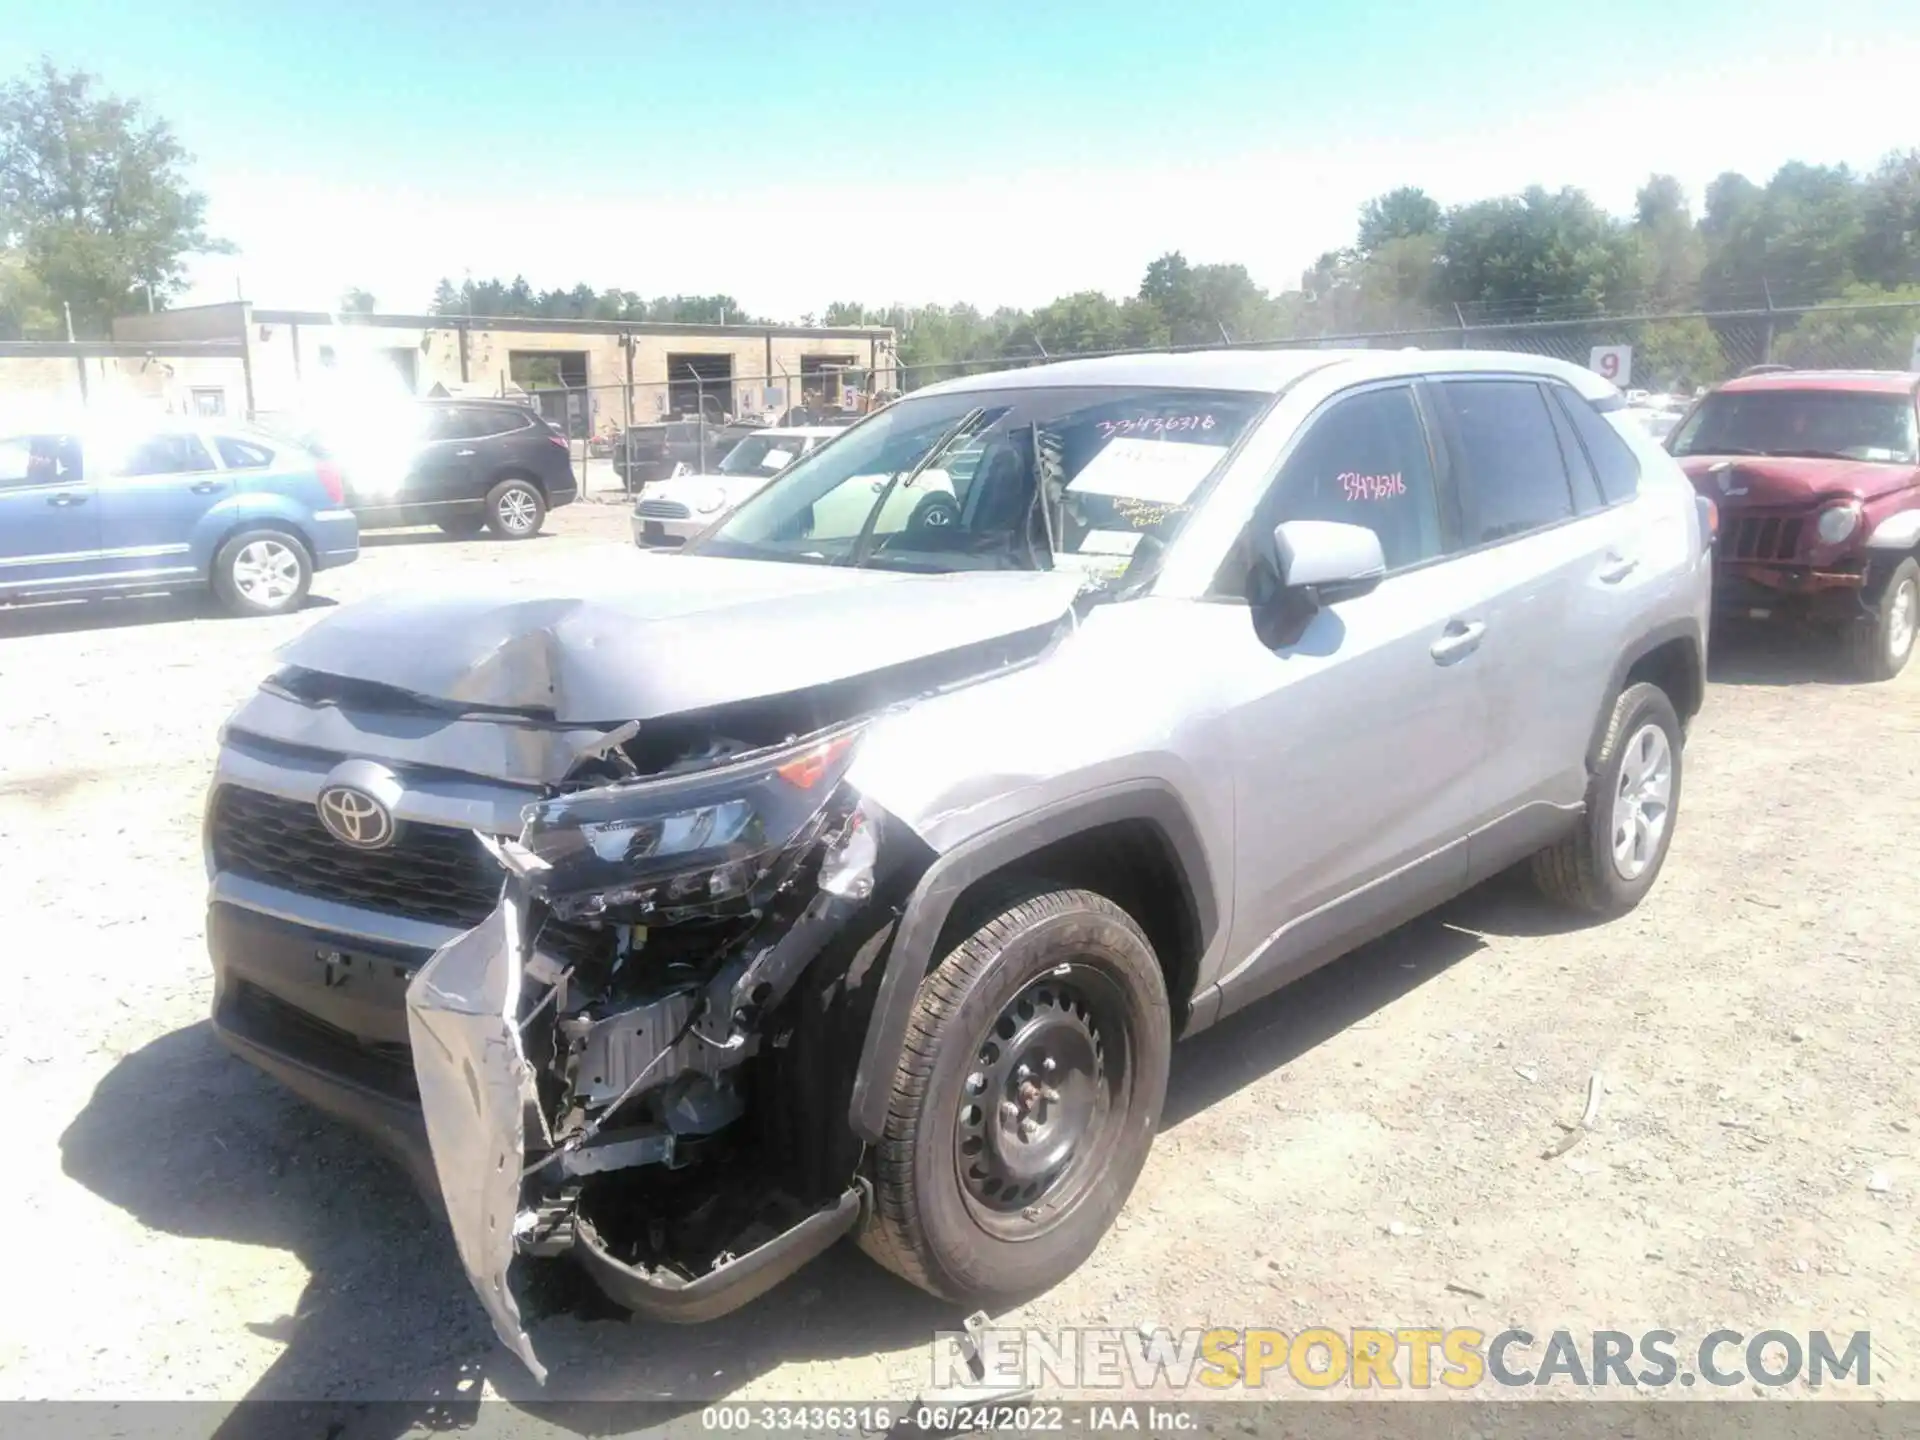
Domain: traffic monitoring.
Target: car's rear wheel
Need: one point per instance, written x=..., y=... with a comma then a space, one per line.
x=1609, y=862
x=262, y=572
x=1879, y=646
x=516, y=509
x=1025, y=1100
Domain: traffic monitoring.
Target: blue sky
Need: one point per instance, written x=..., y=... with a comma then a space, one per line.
x=794, y=153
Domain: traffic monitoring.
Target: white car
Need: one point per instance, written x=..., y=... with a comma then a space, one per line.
x=674, y=510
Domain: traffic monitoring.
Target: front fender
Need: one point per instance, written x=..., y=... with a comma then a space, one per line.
x=948, y=877
x=1899, y=530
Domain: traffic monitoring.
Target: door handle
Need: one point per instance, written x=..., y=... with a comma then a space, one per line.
x=1616, y=568
x=66, y=498
x=1459, y=640
x=205, y=487
x=462, y=454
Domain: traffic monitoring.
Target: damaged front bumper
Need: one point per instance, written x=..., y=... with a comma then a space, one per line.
x=642, y=1104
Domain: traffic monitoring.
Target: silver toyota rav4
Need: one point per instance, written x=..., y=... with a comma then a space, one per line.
x=854, y=870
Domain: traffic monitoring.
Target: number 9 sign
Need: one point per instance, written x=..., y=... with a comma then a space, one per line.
x=1613, y=362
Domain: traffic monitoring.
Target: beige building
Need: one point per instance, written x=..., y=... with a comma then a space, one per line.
x=600, y=374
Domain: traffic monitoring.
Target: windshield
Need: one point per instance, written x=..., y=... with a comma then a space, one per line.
x=1830, y=424
x=1097, y=480
x=763, y=455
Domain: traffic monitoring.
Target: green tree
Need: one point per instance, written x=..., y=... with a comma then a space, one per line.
x=1793, y=243
x=1677, y=354
x=1670, y=246
x=355, y=301
x=1398, y=215
x=1538, y=255
x=1206, y=304
x=1852, y=336
x=1889, y=251
x=93, y=195
x=27, y=312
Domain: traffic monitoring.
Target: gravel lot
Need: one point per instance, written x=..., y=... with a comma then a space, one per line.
x=1357, y=1151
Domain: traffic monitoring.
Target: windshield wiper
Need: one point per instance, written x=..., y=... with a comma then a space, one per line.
x=863, y=546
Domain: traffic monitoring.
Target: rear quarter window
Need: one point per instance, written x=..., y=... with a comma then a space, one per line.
x=1614, y=465
x=242, y=454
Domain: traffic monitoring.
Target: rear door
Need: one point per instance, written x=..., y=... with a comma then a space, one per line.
x=49, y=521
x=1561, y=562
x=156, y=490
x=444, y=468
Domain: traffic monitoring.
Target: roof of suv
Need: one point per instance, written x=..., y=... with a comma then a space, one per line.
x=1860, y=382
x=1272, y=370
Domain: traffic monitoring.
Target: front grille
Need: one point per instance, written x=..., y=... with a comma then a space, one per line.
x=663, y=510
x=430, y=872
x=1764, y=537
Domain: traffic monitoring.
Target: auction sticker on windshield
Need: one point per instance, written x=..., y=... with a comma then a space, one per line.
x=1164, y=471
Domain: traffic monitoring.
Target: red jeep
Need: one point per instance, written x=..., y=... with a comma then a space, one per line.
x=1817, y=477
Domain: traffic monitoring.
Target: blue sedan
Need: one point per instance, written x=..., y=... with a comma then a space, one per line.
x=169, y=506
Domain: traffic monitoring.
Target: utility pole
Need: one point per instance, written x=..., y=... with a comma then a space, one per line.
x=67, y=307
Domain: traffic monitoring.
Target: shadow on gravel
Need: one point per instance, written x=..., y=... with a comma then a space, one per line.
x=62, y=617
x=1758, y=654
x=1280, y=1028
x=387, y=1338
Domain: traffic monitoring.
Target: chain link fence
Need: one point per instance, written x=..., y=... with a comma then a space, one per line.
x=1667, y=352
x=1674, y=353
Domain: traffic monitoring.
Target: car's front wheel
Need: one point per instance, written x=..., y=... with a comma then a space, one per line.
x=1609, y=862
x=1025, y=1101
x=1879, y=646
x=516, y=509
x=262, y=572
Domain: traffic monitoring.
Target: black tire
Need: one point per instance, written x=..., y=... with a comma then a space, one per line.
x=464, y=524
x=1580, y=871
x=1874, y=650
x=1059, y=965
x=516, y=509
x=245, y=567
x=936, y=511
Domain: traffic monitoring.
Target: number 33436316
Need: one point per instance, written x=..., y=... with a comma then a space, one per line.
x=1372, y=487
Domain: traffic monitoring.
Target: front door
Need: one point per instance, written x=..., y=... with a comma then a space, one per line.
x=154, y=494
x=1356, y=749
x=49, y=523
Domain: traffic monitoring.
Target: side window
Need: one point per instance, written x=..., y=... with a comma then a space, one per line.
x=1365, y=462
x=442, y=423
x=168, y=453
x=1613, y=460
x=39, y=460
x=1586, y=488
x=242, y=454
x=1513, y=479
x=477, y=423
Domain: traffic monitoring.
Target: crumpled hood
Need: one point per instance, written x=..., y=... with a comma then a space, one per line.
x=1791, y=479
x=605, y=637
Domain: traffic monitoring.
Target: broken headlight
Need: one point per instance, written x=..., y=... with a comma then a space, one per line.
x=705, y=840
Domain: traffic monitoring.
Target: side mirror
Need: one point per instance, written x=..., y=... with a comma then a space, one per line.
x=1323, y=555
x=1311, y=562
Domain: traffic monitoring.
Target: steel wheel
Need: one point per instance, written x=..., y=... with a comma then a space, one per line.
x=1035, y=1121
x=1643, y=801
x=266, y=573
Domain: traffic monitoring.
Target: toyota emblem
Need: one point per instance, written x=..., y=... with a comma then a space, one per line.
x=355, y=818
